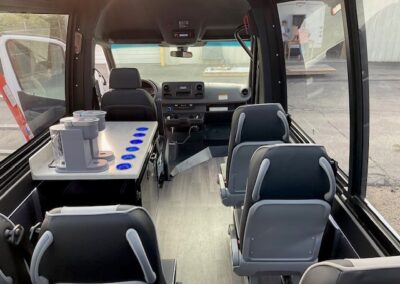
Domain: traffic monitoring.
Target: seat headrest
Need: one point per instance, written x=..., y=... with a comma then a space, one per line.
x=125, y=78
x=291, y=172
x=100, y=244
x=348, y=271
x=261, y=122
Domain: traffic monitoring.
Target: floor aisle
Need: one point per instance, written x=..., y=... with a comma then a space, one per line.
x=192, y=226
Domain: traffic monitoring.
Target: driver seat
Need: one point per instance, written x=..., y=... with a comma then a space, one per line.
x=126, y=101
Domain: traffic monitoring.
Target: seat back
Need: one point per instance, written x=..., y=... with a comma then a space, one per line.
x=105, y=244
x=12, y=263
x=253, y=126
x=126, y=101
x=287, y=204
x=349, y=271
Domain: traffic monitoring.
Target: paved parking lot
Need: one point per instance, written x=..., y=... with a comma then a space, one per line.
x=320, y=106
x=10, y=135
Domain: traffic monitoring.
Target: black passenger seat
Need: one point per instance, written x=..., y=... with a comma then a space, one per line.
x=100, y=244
x=126, y=101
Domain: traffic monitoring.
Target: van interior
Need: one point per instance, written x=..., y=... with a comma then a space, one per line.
x=223, y=141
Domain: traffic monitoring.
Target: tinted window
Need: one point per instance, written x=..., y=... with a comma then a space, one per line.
x=102, y=71
x=217, y=61
x=381, y=22
x=316, y=67
x=32, y=76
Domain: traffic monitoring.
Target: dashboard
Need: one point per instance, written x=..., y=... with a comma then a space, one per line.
x=186, y=104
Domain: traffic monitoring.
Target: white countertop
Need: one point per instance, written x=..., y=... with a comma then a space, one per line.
x=116, y=137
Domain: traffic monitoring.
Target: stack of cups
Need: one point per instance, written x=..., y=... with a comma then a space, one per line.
x=100, y=114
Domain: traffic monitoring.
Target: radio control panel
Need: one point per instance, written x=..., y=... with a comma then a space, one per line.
x=183, y=115
x=183, y=90
x=182, y=103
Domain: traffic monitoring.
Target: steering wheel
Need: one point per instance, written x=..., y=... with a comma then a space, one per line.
x=150, y=86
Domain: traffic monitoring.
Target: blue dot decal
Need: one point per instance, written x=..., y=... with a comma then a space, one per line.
x=124, y=166
x=132, y=149
x=128, y=157
x=142, y=128
x=136, y=141
x=139, y=134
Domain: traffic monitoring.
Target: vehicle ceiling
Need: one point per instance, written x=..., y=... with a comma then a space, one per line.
x=150, y=21
x=154, y=21
x=146, y=21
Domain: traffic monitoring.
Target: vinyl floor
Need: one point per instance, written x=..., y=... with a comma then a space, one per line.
x=192, y=227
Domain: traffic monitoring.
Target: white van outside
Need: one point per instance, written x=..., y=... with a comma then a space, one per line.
x=28, y=67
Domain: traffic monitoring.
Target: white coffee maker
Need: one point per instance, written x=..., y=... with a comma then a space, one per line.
x=75, y=145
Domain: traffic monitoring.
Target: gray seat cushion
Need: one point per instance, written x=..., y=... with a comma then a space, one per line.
x=99, y=244
x=288, y=172
x=256, y=123
x=348, y=271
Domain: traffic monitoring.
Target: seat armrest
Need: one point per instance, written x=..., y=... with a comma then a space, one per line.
x=221, y=181
x=169, y=270
x=222, y=188
x=223, y=170
x=235, y=251
x=227, y=198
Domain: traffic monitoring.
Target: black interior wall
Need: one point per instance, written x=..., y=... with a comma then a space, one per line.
x=271, y=55
x=82, y=78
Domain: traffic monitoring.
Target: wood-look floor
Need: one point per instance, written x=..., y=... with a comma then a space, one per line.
x=192, y=227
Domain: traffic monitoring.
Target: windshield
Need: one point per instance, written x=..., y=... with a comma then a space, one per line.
x=218, y=62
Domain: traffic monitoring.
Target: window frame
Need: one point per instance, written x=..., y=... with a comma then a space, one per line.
x=105, y=77
x=359, y=101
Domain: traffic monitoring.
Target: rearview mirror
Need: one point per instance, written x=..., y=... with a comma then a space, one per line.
x=182, y=52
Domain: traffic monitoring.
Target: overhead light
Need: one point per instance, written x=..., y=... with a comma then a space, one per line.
x=300, y=3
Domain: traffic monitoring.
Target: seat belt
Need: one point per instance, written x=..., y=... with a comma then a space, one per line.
x=20, y=241
x=334, y=165
x=97, y=95
x=16, y=249
x=289, y=119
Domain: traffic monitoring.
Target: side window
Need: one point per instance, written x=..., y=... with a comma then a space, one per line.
x=32, y=76
x=102, y=71
x=316, y=68
x=381, y=24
